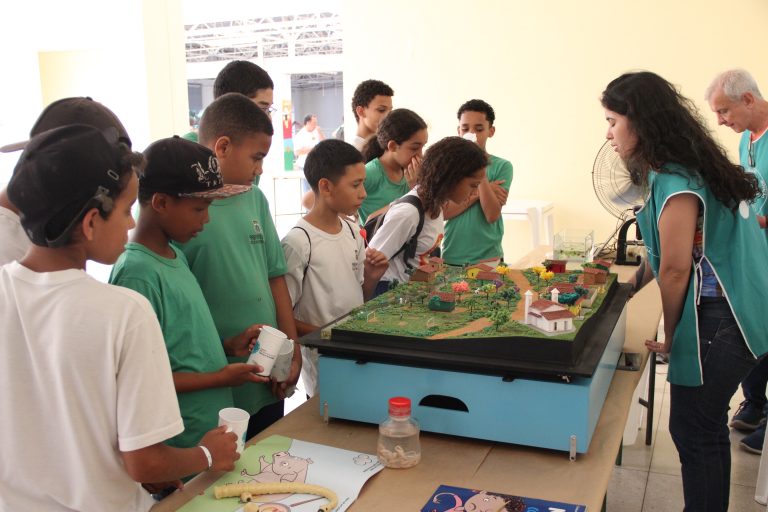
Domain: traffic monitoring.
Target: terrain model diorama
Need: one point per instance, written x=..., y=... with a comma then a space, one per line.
x=483, y=302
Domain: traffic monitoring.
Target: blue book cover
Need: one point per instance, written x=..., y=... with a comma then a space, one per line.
x=458, y=499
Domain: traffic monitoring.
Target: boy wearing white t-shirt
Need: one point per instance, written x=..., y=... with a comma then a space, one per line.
x=76, y=110
x=85, y=383
x=325, y=254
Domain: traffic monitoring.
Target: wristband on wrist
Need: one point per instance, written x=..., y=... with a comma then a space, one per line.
x=207, y=454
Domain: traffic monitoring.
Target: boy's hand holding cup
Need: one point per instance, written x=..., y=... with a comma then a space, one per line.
x=281, y=370
x=267, y=348
x=222, y=446
x=242, y=344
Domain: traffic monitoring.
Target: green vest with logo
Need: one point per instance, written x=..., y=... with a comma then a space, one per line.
x=735, y=249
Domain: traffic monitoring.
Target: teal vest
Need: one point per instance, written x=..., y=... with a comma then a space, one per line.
x=737, y=251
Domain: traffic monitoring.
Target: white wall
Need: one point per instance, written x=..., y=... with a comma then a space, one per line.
x=543, y=65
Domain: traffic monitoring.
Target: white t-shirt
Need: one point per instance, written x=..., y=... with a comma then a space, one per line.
x=84, y=374
x=303, y=139
x=14, y=242
x=332, y=284
x=358, y=142
x=399, y=225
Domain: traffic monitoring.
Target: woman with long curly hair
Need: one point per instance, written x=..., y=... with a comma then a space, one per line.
x=452, y=169
x=704, y=249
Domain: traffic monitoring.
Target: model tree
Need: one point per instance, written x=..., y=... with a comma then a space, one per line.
x=459, y=288
x=509, y=295
x=499, y=317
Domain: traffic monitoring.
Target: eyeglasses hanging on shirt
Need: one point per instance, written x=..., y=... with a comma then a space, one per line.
x=751, y=153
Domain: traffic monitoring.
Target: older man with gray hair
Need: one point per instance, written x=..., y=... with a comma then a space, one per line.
x=736, y=101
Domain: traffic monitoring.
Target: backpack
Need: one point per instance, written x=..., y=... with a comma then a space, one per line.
x=309, y=257
x=408, y=249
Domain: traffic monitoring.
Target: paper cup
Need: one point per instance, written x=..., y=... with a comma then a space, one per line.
x=267, y=348
x=236, y=421
x=282, y=368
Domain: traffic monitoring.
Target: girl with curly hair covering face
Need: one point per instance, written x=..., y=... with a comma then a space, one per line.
x=452, y=170
x=703, y=243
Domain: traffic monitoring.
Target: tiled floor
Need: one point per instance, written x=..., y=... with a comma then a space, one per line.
x=649, y=478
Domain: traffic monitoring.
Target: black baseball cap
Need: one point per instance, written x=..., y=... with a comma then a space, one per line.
x=183, y=168
x=62, y=174
x=77, y=110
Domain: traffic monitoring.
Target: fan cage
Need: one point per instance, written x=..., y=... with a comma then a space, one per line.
x=612, y=184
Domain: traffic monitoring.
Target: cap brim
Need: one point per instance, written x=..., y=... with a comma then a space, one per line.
x=16, y=146
x=220, y=193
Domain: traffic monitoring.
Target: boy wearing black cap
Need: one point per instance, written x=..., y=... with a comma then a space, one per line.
x=86, y=389
x=179, y=182
x=78, y=110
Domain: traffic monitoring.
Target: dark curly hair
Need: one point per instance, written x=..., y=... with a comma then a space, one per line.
x=669, y=129
x=399, y=126
x=478, y=106
x=241, y=76
x=366, y=91
x=445, y=164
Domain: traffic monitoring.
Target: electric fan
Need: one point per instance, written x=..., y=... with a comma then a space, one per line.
x=621, y=198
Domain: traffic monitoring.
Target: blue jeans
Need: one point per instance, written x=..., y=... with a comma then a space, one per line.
x=698, y=418
x=755, y=383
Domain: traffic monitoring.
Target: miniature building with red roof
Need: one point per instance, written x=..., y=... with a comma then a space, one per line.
x=487, y=276
x=593, y=275
x=442, y=301
x=549, y=317
x=424, y=273
x=556, y=266
x=438, y=262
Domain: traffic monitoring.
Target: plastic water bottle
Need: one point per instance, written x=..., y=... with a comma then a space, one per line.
x=399, y=445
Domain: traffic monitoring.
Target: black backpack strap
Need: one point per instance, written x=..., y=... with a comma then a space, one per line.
x=409, y=248
x=309, y=257
x=349, y=225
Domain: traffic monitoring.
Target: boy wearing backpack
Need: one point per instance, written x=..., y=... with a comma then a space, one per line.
x=325, y=254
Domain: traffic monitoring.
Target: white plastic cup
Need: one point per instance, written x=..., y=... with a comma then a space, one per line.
x=236, y=421
x=282, y=368
x=267, y=348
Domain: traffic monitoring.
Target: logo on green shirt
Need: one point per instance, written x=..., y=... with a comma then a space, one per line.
x=258, y=234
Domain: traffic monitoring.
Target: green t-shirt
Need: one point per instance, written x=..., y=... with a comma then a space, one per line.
x=380, y=189
x=756, y=163
x=469, y=237
x=190, y=335
x=233, y=259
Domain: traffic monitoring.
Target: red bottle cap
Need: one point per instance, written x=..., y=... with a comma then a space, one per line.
x=399, y=406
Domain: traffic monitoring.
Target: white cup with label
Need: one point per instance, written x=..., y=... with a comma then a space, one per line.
x=282, y=368
x=236, y=421
x=267, y=348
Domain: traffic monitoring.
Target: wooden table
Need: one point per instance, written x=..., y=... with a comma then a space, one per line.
x=504, y=468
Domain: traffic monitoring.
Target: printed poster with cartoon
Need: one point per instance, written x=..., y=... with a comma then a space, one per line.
x=282, y=459
x=459, y=499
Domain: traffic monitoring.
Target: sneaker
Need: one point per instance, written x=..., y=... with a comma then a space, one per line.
x=748, y=416
x=753, y=442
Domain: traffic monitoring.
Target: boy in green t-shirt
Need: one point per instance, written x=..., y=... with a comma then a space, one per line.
x=179, y=182
x=237, y=260
x=474, y=229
